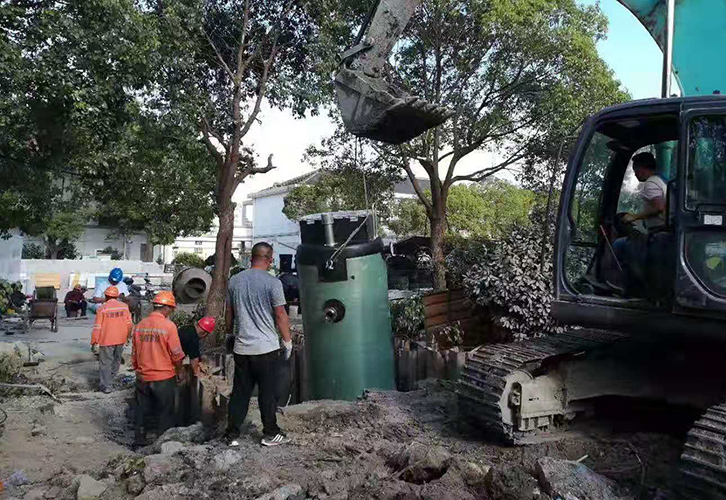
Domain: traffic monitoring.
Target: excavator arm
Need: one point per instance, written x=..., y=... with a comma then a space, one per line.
x=370, y=106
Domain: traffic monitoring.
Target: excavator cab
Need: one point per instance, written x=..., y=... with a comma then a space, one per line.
x=677, y=283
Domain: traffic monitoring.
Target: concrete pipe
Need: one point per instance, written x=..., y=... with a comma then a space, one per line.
x=191, y=285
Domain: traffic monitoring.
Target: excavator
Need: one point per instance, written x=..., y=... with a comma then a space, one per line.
x=662, y=338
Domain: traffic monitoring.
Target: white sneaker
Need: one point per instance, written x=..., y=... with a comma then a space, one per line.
x=277, y=440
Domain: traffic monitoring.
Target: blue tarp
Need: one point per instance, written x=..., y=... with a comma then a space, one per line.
x=699, y=40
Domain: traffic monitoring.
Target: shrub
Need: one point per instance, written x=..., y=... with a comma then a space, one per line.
x=509, y=282
x=407, y=318
x=188, y=259
x=33, y=251
x=181, y=318
x=113, y=252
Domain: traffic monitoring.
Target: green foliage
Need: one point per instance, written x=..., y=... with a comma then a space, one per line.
x=341, y=189
x=62, y=228
x=488, y=210
x=68, y=73
x=33, y=251
x=6, y=289
x=511, y=282
x=168, y=168
x=181, y=318
x=188, y=259
x=409, y=219
x=407, y=318
x=485, y=210
x=65, y=250
x=113, y=252
x=351, y=177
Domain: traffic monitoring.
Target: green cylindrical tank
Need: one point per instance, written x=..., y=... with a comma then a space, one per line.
x=344, y=301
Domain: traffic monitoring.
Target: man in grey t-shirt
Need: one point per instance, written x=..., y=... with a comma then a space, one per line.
x=256, y=305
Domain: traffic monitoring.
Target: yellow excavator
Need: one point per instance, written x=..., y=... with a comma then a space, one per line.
x=661, y=337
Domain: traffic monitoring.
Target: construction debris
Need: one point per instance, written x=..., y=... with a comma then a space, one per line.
x=572, y=480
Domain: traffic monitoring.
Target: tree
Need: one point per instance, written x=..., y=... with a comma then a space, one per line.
x=68, y=74
x=409, y=219
x=63, y=227
x=345, y=188
x=188, y=259
x=168, y=170
x=512, y=72
x=489, y=211
x=217, y=62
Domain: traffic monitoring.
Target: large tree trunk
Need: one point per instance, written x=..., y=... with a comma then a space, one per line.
x=438, y=226
x=217, y=292
x=52, y=248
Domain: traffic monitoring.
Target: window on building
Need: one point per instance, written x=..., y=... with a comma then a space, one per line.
x=199, y=243
x=198, y=250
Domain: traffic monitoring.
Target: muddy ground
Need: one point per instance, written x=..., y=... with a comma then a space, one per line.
x=387, y=445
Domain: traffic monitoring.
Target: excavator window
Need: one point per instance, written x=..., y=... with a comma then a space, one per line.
x=596, y=263
x=705, y=247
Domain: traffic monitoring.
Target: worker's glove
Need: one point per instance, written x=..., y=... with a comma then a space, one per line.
x=286, y=349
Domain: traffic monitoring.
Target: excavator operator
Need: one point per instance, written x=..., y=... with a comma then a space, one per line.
x=631, y=251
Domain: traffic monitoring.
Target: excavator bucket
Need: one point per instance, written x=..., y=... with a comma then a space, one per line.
x=373, y=109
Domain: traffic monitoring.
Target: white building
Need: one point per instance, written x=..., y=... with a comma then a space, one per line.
x=204, y=245
x=271, y=225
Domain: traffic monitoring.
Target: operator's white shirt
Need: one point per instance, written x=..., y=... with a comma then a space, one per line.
x=654, y=187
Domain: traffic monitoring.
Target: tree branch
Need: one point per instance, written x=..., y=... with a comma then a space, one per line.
x=219, y=56
x=243, y=36
x=206, y=133
x=482, y=174
x=416, y=186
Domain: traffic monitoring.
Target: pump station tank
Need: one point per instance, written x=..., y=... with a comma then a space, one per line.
x=344, y=301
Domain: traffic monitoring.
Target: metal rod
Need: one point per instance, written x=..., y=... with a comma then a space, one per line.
x=668, y=48
x=328, y=226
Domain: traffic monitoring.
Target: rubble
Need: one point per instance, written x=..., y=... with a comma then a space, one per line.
x=226, y=459
x=89, y=488
x=135, y=484
x=171, y=447
x=287, y=492
x=420, y=464
x=162, y=468
x=573, y=480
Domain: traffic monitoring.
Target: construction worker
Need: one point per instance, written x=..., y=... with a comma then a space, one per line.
x=256, y=306
x=110, y=332
x=189, y=336
x=157, y=357
x=115, y=278
x=188, y=387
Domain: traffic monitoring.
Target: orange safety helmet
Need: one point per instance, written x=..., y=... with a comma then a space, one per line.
x=111, y=291
x=207, y=324
x=165, y=298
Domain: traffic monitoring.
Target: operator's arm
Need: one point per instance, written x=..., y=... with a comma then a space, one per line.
x=282, y=320
x=652, y=208
x=134, y=363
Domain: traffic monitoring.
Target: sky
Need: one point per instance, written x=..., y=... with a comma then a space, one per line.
x=629, y=50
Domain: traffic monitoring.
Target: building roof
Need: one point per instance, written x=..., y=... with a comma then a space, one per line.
x=284, y=186
x=406, y=187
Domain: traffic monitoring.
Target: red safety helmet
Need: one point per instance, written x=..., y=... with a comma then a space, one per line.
x=207, y=324
x=111, y=291
x=165, y=298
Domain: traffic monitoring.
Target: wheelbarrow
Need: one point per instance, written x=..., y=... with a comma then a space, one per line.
x=43, y=305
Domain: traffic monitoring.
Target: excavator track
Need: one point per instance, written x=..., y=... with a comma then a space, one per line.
x=703, y=462
x=486, y=379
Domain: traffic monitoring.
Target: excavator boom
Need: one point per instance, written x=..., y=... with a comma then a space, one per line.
x=370, y=106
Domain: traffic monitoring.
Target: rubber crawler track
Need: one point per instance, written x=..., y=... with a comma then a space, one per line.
x=483, y=379
x=703, y=462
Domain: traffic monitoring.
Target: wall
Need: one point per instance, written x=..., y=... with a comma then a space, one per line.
x=28, y=267
x=11, y=250
x=96, y=238
x=271, y=225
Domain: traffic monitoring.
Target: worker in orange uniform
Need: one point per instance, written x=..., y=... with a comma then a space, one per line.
x=157, y=357
x=110, y=332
